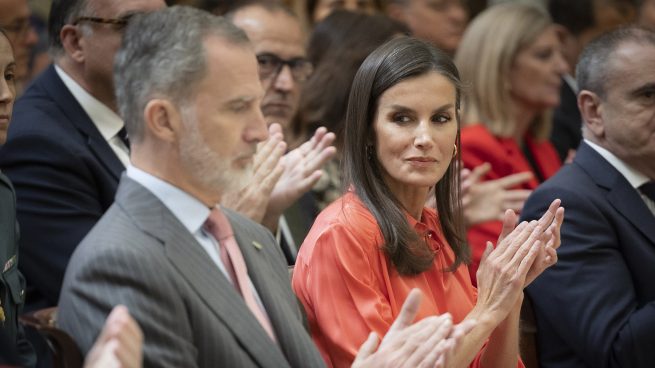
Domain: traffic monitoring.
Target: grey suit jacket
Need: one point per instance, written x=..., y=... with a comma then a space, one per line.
x=141, y=256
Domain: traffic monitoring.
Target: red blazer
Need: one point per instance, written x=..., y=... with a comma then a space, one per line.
x=506, y=158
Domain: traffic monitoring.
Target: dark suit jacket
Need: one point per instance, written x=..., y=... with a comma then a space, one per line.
x=141, y=256
x=596, y=307
x=14, y=348
x=567, y=123
x=65, y=175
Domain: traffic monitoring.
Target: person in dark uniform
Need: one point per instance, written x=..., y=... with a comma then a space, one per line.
x=16, y=350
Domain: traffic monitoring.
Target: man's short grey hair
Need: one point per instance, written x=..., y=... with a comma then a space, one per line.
x=163, y=56
x=594, y=68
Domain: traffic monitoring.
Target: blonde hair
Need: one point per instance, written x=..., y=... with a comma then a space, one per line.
x=485, y=57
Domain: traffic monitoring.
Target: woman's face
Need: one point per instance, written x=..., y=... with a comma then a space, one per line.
x=7, y=88
x=535, y=74
x=326, y=7
x=415, y=130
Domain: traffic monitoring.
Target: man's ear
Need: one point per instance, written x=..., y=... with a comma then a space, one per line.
x=163, y=120
x=71, y=40
x=591, y=109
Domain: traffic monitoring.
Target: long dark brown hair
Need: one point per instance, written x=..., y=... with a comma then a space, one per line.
x=395, y=61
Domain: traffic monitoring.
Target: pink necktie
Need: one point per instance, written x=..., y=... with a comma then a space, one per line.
x=219, y=226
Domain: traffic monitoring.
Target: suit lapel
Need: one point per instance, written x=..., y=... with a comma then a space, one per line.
x=620, y=194
x=275, y=292
x=202, y=275
x=58, y=91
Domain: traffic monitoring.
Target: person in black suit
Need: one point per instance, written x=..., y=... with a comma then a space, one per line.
x=580, y=21
x=64, y=152
x=596, y=306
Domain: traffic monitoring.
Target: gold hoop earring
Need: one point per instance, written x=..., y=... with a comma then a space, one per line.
x=454, y=150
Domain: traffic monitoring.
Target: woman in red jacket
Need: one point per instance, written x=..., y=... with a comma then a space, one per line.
x=510, y=58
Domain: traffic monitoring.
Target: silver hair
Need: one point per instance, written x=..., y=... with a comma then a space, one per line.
x=162, y=56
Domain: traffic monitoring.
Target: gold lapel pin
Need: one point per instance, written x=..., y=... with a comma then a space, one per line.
x=257, y=245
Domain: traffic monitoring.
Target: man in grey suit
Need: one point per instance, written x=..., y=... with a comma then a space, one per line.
x=190, y=97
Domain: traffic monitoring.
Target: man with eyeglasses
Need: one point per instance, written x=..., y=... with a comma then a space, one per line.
x=279, y=44
x=65, y=150
x=15, y=20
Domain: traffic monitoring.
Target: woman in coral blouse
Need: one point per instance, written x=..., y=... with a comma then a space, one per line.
x=369, y=248
x=510, y=57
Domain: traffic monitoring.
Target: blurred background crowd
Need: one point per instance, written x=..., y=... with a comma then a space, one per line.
x=520, y=112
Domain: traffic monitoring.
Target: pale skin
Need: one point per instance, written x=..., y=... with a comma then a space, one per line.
x=535, y=80
x=120, y=344
x=415, y=129
x=7, y=86
x=623, y=120
x=487, y=200
x=279, y=179
x=427, y=343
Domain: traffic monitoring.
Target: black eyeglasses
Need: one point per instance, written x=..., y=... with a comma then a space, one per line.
x=270, y=66
x=118, y=23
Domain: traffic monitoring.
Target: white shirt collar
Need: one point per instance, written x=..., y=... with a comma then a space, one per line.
x=105, y=119
x=634, y=177
x=189, y=211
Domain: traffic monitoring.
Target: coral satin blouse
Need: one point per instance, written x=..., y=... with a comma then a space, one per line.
x=506, y=158
x=349, y=288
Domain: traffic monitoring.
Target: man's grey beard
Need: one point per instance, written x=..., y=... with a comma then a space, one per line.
x=206, y=167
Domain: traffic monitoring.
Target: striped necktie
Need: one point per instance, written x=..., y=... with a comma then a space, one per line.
x=219, y=226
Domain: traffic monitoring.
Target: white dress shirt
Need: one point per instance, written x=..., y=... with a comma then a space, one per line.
x=190, y=212
x=634, y=177
x=104, y=118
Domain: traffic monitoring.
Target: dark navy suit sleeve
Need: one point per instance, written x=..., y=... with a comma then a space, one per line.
x=588, y=308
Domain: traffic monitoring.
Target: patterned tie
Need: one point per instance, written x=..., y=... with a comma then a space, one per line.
x=219, y=226
x=649, y=190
